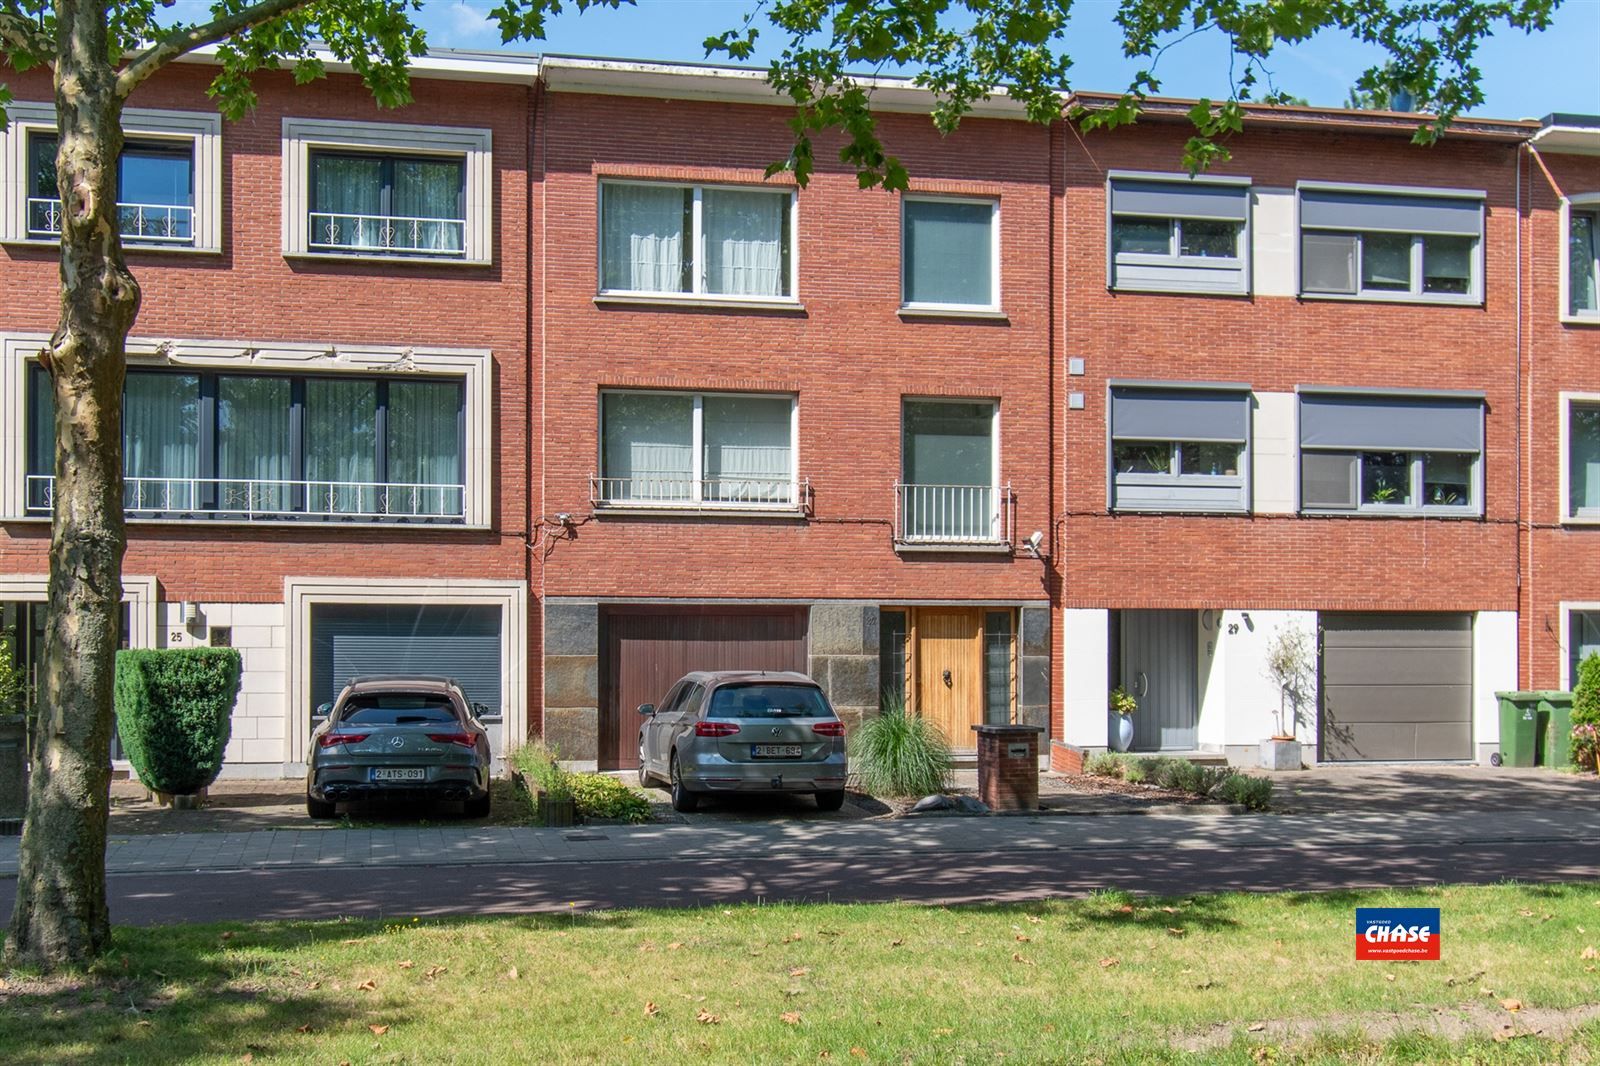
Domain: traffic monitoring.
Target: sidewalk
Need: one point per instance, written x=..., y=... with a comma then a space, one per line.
x=1153, y=834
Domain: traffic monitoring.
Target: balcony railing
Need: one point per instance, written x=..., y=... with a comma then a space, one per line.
x=952, y=514
x=387, y=234
x=675, y=491
x=145, y=223
x=249, y=500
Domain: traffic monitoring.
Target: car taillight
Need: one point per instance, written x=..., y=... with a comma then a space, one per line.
x=333, y=740
x=715, y=729
x=466, y=740
x=828, y=729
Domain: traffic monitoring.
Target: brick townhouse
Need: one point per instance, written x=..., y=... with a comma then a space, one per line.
x=327, y=448
x=541, y=380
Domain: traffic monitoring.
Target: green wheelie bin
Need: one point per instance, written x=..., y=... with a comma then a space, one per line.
x=1519, y=729
x=1555, y=714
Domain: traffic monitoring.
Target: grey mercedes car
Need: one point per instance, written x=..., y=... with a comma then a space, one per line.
x=410, y=737
x=743, y=732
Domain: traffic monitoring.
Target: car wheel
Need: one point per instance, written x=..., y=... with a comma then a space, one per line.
x=646, y=778
x=682, y=799
x=319, y=809
x=476, y=808
x=830, y=801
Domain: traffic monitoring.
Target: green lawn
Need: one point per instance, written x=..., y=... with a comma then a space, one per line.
x=1108, y=980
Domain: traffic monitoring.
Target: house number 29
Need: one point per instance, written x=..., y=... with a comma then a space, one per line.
x=1233, y=627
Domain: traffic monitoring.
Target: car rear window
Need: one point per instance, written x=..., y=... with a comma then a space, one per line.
x=398, y=708
x=768, y=701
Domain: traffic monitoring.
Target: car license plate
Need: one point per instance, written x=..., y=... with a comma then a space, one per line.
x=417, y=774
x=774, y=751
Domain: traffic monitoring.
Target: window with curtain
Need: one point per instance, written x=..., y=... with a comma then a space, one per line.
x=155, y=191
x=696, y=240
x=233, y=446
x=161, y=441
x=677, y=449
x=404, y=205
x=1583, y=263
x=1391, y=454
x=1385, y=245
x=948, y=489
x=948, y=253
x=1178, y=235
x=1179, y=449
x=1583, y=462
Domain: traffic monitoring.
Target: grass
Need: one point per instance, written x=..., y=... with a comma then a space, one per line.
x=1110, y=979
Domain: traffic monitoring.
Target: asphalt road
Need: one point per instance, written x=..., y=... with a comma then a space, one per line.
x=949, y=877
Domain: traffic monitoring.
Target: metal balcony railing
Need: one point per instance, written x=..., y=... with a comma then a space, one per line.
x=144, y=223
x=673, y=490
x=952, y=514
x=334, y=232
x=249, y=499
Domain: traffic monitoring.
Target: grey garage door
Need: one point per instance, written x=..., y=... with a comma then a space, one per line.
x=1396, y=687
x=461, y=642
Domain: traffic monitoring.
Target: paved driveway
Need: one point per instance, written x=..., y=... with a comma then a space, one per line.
x=1423, y=787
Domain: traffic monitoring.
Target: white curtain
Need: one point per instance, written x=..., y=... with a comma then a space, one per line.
x=647, y=451
x=744, y=242
x=425, y=447
x=161, y=440
x=642, y=240
x=253, y=444
x=1581, y=273
x=432, y=191
x=1585, y=472
x=748, y=455
x=347, y=188
x=341, y=445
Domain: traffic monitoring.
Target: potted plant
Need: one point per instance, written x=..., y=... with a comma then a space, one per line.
x=1122, y=704
x=1289, y=659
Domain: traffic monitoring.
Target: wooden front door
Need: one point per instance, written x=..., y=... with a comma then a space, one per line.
x=949, y=670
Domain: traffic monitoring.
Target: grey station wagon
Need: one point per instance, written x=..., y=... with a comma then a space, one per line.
x=399, y=737
x=743, y=732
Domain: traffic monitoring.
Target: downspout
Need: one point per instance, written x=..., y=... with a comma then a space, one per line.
x=1525, y=438
x=533, y=529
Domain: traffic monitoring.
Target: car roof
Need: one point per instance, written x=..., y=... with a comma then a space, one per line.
x=406, y=682
x=771, y=677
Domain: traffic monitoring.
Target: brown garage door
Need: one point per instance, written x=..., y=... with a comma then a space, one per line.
x=646, y=651
x=1396, y=687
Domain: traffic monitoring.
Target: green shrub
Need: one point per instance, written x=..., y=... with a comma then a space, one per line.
x=897, y=754
x=174, y=713
x=13, y=680
x=1104, y=764
x=1586, y=697
x=1247, y=790
x=600, y=796
x=537, y=763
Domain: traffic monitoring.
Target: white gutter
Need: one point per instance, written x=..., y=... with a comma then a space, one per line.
x=502, y=67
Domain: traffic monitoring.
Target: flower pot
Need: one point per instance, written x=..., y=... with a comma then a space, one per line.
x=557, y=811
x=1281, y=754
x=1122, y=739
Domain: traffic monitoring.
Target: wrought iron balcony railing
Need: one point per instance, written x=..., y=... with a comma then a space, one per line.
x=249, y=499
x=952, y=514
x=141, y=223
x=388, y=234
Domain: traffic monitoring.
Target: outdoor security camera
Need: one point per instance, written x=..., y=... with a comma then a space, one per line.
x=1033, y=542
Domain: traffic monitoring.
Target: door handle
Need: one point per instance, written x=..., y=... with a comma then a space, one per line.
x=1144, y=685
x=947, y=681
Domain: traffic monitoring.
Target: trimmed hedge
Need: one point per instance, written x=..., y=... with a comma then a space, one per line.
x=175, y=713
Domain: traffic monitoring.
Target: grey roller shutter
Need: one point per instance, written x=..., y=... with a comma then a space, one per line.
x=459, y=642
x=1178, y=414
x=1328, y=480
x=1396, y=687
x=1391, y=423
x=1390, y=213
x=1179, y=199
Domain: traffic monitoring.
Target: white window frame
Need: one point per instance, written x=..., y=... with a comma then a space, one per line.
x=472, y=367
x=1566, y=515
x=1585, y=204
x=1240, y=261
x=201, y=129
x=1474, y=297
x=993, y=307
x=698, y=294
x=797, y=489
x=473, y=146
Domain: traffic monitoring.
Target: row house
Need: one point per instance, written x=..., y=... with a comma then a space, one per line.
x=540, y=381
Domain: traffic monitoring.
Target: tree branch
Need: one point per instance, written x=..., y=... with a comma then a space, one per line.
x=187, y=39
x=19, y=32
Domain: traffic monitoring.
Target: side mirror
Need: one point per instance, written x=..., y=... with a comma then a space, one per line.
x=647, y=709
x=322, y=712
x=479, y=710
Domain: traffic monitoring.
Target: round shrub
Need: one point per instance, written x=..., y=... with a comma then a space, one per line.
x=1586, y=698
x=174, y=713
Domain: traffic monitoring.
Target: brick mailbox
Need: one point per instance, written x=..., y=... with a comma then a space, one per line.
x=1008, y=766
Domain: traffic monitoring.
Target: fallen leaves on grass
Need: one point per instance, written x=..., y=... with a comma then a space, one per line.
x=378, y=1030
x=896, y=942
x=435, y=972
x=796, y=935
x=1512, y=1005
x=1589, y=953
x=859, y=1052
x=513, y=974
x=1174, y=931
x=705, y=1017
x=675, y=945
x=1017, y=956
x=1023, y=938
x=799, y=971
x=306, y=1028
x=368, y=985
x=790, y=1017
x=1257, y=1027
x=406, y=964
x=1108, y=962
x=651, y=1009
